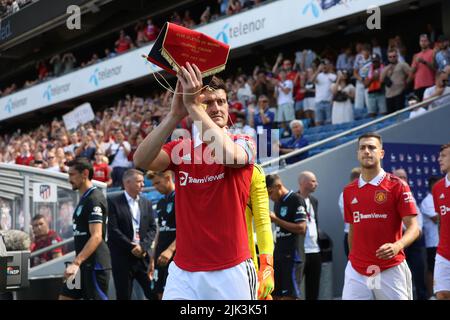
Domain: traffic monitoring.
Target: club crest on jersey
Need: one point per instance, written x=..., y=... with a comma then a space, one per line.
x=169, y=207
x=380, y=196
x=78, y=212
x=283, y=211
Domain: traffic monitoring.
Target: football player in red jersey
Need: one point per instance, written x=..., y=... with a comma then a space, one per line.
x=441, y=199
x=212, y=178
x=375, y=206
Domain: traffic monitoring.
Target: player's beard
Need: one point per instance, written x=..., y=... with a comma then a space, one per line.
x=368, y=166
x=74, y=186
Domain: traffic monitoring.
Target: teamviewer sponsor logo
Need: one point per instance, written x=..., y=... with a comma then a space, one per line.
x=357, y=216
x=183, y=178
x=444, y=210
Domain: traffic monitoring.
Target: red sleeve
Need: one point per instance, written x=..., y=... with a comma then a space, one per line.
x=348, y=216
x=406, y=205
x=173, y=155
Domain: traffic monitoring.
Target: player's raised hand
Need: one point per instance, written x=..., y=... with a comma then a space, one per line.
x=177, y=107
x=190, y=78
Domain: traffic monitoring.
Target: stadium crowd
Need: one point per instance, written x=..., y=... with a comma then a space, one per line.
x=143, y=32
x=316, y=88
x=300, y=90
x=8, y=7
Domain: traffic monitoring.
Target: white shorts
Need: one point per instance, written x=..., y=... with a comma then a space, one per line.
x=392, y=284
x=236, y=283
x=441, y=274
x=309, y=104
x=286, y=112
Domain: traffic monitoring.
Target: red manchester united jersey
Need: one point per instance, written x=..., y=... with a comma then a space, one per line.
x=210, y=207
x=441, y=198
x=375, y=210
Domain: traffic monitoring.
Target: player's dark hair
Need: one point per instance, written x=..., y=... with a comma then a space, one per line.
x=445, y=146
x=370, y=135
x=432, y=180
x=153, y=174
x=81, y=164
x=37, y=217
x=271, y=179
x=217, y=83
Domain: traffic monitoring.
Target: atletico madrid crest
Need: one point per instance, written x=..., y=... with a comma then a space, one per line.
x=44, y=191
x=380, y=196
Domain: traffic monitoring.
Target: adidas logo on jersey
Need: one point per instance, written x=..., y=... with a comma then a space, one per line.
x=354, y=201
x=441, y=196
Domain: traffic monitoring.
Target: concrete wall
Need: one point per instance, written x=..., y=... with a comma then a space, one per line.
x=333, y=167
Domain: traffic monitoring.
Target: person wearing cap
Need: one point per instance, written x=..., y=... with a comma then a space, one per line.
x=376, y=103
x=394, y=77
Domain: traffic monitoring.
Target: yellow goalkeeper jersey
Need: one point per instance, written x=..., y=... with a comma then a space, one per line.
x=257, y=215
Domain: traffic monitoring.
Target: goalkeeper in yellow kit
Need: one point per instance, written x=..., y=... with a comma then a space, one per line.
x=257, y=214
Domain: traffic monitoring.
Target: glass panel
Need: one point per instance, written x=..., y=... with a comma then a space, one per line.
x=6, y=214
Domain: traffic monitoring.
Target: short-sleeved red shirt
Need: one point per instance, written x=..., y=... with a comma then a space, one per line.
x=441, y=199
x=375, y=210
x=210, y=207
x=42, y=242
x=424, y=76
x=101, y=172
x=24, y=160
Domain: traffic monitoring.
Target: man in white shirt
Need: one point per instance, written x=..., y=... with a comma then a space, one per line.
x=430, y=231
x=118, y=152
x=415, y=255
x=324, y=78
x=313, y=263
x=131, y=232
x=355, y=173
x=285, y=99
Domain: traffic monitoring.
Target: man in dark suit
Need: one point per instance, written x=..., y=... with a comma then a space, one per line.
x=131, y=231
x=313, y=263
